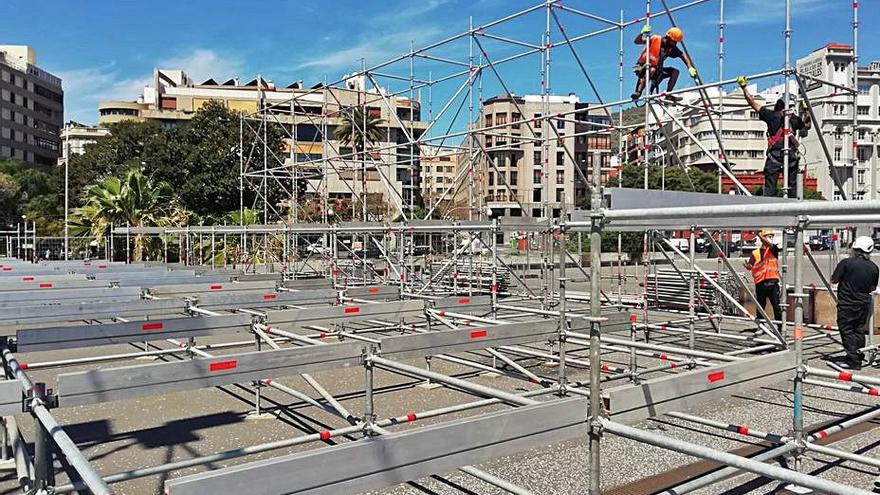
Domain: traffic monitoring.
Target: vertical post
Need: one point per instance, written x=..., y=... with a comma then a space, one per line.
x=493, y=289
x=127, y=244
x=647, y=92
x=563, y=320
x=66, y=192
x=855, y=95
x=874, y=159
x=620, y=135
x=43, y=471
x=798, y=416
x=786, y=95
x=369, y=414
x=721, y=26
x=595, y=335
x=213, y=251
x=691, y=271
x=18, y=239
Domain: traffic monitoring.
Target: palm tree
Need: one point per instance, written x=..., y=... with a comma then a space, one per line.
x=133, y=201
x=355, y=126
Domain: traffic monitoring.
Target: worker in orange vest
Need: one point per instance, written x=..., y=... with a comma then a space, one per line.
x=764, y=265
x=658, y=49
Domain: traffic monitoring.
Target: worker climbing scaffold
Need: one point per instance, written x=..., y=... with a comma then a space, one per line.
x=658, y=49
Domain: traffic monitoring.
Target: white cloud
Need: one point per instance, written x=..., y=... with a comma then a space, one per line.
x=757, y=11
x=372, y=50
x=412, y=23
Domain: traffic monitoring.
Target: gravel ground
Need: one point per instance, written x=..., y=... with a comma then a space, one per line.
x=123, y=435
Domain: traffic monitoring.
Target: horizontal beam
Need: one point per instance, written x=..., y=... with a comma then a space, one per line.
x=394, y=458
x=50, y=339
x=650, y=398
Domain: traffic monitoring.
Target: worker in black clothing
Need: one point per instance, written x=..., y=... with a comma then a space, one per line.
x=657, y=50
x=856, y=279
x=775, y=120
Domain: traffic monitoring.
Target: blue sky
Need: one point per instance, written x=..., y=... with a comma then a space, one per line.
x=107, y=49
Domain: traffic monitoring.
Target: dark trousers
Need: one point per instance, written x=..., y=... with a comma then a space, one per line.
x=773, y=167
x=769, y=289
x=852, y=321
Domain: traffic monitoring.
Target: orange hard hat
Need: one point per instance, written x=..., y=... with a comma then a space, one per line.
x=675, y=34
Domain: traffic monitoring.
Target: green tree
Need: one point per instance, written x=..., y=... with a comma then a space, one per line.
x=808, y=193
x=670, y=179
x=207, y=177
x=132, y=201
x=355, y=127
x=130, y=145
x=35, y=194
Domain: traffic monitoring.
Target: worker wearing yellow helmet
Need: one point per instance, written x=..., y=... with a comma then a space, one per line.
x=657, y=50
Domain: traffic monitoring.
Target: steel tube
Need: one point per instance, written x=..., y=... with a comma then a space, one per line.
x=732, y=460
x=455, y=382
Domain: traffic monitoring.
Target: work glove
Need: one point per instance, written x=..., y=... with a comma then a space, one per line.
x=804, y=105
x=742, y=81
x=646, y=30
x=693, y=72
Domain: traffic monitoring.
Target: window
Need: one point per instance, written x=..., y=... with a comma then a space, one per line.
x=559, y=195
x=560, y=177
x=47, y=144
x=500, y=118
x=491, y=178
x=536, y=197
x=514, y=177
x=838, y=152
x=560, y=158
x=840, y=67
x=862, y=154
x=838, y=109
x=537, y=176
x=864, y=88
x=560, y=124
x=489, y=120
x=515, y=118
x=861, y=177
x=537, y=158
x=862, y=110
x=862, y=133
x=5, y=76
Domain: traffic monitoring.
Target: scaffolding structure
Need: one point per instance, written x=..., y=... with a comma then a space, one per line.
x=373, y=294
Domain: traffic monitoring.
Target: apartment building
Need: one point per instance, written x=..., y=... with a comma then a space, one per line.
x=310, y=117
x=31, y=108
x=833, y=108
x=75, y=137
x=440, y=167
x=523, y=170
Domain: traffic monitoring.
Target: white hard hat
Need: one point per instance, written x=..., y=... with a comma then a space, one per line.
x=864, y=244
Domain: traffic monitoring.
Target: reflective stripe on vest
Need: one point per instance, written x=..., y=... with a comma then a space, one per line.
x=654, y=46
x=766, y=267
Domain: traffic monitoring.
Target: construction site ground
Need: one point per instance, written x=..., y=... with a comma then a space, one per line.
x=128, y=434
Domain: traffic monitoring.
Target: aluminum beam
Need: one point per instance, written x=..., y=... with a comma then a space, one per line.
x=395, y=458
x=632, y=403
x=50, y=339
x=94, y=386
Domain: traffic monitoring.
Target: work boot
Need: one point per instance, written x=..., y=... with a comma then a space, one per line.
x=673, y=98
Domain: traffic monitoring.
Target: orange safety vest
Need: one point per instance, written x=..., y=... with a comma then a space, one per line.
x=654, y=48
x=765, y=266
